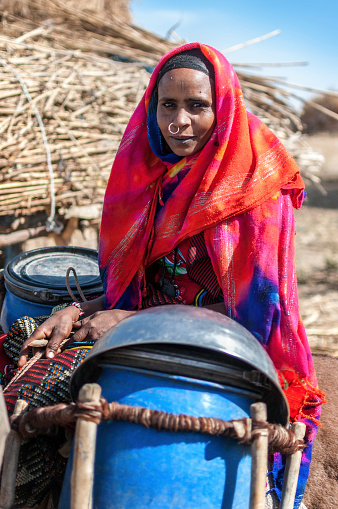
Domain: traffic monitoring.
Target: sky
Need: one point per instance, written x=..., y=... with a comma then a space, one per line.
x=308, y=33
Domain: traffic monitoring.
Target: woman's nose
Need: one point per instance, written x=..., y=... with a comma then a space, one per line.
x=182, y=118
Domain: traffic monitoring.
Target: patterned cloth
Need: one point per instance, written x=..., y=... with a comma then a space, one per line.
x=195, y=280
x=240, y=190
x=41, y=468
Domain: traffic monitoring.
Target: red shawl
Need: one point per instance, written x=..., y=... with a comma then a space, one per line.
x=242, y=165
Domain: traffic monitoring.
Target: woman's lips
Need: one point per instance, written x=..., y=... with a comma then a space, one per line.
x=183, y=139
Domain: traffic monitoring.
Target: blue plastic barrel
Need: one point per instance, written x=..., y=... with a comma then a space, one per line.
x=144, y=468
x=35, y=281
x=15, y=307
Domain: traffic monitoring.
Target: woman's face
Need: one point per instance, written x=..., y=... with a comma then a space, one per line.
x=186, y=99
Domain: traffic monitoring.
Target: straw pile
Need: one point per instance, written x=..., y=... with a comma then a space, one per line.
x=68, y=86
x=85, y=103
x=39, y=10
x=71, y=28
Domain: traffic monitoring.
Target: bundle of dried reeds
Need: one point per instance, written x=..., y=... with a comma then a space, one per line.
x=85, y=104
x=37, y=10
x=72, y=28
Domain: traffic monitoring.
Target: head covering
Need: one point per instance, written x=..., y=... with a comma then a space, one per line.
x=242, y=165
x=191, y=59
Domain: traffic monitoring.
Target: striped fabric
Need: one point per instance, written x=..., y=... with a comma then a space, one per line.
x=200, y=269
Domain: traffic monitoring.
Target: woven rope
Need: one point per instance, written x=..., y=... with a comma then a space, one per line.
x=46, y=419
x=69, y=270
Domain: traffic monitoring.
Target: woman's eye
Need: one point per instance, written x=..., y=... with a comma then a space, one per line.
x=199, y=105
x=168, y=105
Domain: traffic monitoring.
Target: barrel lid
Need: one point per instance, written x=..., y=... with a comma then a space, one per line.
x=194, y=329
x=43, y=271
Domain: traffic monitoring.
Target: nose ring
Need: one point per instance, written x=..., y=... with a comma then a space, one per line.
x=171, y=130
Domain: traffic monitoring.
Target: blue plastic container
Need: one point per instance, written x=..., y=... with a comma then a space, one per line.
x=14, y=307
x=143, y=468
x=35, y=281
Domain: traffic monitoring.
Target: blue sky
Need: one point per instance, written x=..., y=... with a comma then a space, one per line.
x=309, y=32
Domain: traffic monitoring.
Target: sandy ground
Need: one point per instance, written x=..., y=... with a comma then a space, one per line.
x=317, y=267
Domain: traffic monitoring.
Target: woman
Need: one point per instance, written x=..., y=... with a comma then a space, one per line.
x=199, y=210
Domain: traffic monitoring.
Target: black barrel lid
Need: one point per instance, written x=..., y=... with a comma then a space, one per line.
x=40, y=274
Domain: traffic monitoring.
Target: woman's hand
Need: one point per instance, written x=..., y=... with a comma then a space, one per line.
x=94, y=326
x=59, y=326
x=55, y=329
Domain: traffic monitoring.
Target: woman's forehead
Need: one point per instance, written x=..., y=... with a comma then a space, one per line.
x=184, y=79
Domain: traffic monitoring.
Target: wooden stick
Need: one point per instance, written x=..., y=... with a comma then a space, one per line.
x=251, y=41
x=259, y=452
x=20, y=236
x=292, y=470
x=84, y=453
x=4, y=426
x=11, y=459
x=39, y=343
x=321, y=108
x=33, y=33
